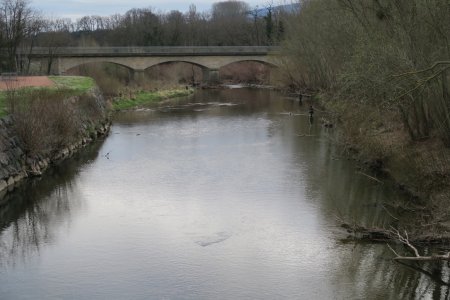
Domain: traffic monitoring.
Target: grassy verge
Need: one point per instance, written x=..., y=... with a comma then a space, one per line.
x=76, y=84
x=145, y=97
x=3, y=111
x=68, y=85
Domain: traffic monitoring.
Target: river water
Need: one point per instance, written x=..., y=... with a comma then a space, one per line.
x=226, y=194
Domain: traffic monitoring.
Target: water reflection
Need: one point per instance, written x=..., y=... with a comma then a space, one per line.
x=370, y=274
x=39, y=208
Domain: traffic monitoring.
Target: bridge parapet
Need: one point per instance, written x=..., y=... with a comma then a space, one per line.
x=154, y=51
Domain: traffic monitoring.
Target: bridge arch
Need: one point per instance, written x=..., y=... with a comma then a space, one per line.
x=261, y=61
x=142, y=63
x=169, y=61
x=81, y=64
x=175, y=71
x=67, y=64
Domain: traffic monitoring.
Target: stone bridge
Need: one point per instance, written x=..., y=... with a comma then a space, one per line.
x=138, y=59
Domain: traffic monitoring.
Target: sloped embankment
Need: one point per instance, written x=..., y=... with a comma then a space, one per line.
x=46, y=126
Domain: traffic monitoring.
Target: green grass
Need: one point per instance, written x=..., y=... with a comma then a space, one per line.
x=66, y=85
x=3, y=111
x=145, y=97
x=79, y=84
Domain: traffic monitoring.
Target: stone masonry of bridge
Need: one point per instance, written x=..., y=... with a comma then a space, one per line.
x=138, y=59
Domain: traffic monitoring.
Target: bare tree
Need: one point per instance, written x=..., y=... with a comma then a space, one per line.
x=33, y=29
x=56, y=34
x=15, y=18
x=174, y=28
x=230, y=23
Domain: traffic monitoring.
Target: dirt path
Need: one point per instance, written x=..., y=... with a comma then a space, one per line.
x=14, y=82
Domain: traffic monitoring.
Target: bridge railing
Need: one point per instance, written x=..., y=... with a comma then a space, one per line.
x=136, y=51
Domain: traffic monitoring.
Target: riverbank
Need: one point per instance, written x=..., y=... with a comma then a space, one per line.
x=47, y=125
x=15, y=88
x=419, y=169
x=132, y=99
x=77, y=115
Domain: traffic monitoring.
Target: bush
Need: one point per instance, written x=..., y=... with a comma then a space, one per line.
x=47, y=120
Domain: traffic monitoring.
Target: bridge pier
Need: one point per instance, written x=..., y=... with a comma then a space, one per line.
x=138, y=76
x=210, y=76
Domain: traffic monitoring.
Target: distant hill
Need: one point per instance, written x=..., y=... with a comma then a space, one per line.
x=288, y=8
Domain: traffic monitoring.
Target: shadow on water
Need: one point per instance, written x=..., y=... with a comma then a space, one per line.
x=29, y=214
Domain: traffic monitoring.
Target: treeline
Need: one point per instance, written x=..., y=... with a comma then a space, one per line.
x=228, y=23
x=392, y=56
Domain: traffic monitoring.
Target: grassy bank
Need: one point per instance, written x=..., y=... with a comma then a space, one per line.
x=141, y=98
x=3, y=110
x=49, y=118
x=64, y=85
x=76, y=84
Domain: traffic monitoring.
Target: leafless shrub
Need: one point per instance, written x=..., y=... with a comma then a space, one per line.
x=246, y=72
x=44, y=120
x=47, y=120
x=110, y=78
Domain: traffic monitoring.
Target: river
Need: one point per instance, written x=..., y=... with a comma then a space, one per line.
x=226, y=194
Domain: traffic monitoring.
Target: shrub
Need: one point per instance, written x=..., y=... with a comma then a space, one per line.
x=47, y=120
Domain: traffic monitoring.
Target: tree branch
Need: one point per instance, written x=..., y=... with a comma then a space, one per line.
x=404, y=239
x=424, y=70
x=422, y=82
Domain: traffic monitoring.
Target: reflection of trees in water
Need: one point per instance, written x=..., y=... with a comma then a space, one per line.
x=36, y=225
x=438, y=286
x=358, y=199
x=365, y=270
x=371, y=274
x=35, y=211
x=343, y=192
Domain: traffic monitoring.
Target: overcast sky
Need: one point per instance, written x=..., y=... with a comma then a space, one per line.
x=78, y=8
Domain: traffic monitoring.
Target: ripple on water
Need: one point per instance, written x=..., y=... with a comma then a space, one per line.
x=216, y=238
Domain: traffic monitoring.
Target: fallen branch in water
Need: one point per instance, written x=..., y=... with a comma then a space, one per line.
x=371, y=177
x=404, y=239
x=368, y=234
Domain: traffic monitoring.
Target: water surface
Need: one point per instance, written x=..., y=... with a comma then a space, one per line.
x=229, y=194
